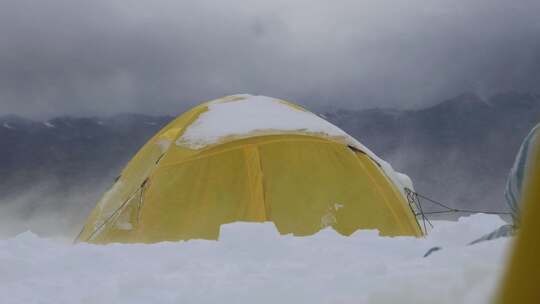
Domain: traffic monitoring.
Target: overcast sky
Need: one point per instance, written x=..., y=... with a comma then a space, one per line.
x=105, y=56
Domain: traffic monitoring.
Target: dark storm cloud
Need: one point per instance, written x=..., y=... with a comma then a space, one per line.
x=103, y=56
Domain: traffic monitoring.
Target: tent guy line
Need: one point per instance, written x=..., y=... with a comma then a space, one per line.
x=414, y=201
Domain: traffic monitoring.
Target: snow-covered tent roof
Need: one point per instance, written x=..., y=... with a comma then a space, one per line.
x=247, y=115
x=241, y=116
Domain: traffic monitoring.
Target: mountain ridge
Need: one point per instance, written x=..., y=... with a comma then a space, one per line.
x=458, y=151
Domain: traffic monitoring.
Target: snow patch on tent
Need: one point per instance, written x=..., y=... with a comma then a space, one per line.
x=246, y=115
x=253, y=263
x=252, y=115
x=163, y=144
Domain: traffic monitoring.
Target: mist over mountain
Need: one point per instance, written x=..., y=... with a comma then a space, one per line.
x=458, y=151
x=54, y=171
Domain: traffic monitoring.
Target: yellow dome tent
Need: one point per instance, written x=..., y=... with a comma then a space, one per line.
x=254, y=159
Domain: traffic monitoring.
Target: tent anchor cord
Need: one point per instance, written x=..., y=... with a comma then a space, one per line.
x=106, y=221
x=414, y=200
x=424, y=215
x=416, y=205
x=78, y=235
x=450, y=209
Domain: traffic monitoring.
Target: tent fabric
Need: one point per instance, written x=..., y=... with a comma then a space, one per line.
x=515, y=184
x=520, y=282
x=300, y=180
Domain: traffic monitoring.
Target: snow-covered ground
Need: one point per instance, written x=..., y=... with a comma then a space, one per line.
x=252, y=264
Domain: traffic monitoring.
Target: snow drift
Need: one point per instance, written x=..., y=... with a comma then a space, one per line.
x=252, y=263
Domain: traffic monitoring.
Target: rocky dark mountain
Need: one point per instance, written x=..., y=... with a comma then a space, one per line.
x=458, y=151
x=69, y=149
x=54, y=171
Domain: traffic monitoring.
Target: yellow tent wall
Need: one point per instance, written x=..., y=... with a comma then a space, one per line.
x=300, y=182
